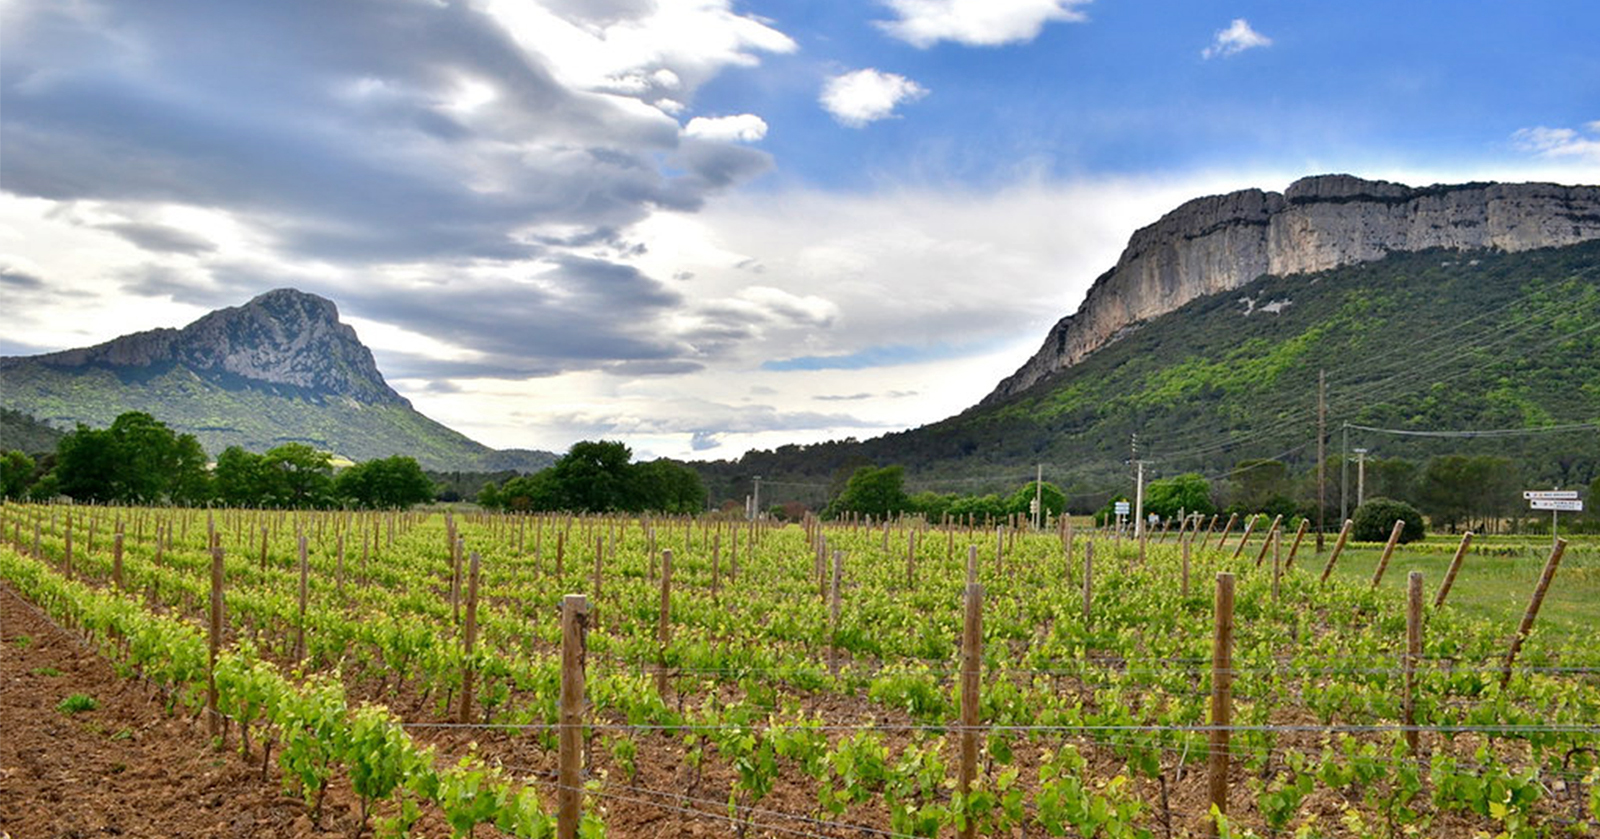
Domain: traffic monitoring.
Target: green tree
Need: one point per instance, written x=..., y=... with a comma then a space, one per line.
x=298, y=476
x=873, y=492
x=1374, y=520
x=16, y=469
x=1262, y=486
x=1189, y=492
x=192, y=483
x=593, y=476
x=667, y=487
x=1052, y=498
x=86, y=465
x=241, y=479
x=388, y=483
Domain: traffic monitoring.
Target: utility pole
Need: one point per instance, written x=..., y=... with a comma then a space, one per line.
x=1138, y=503
x=1322, y=465
x=1361, y=477
x=1344, y=473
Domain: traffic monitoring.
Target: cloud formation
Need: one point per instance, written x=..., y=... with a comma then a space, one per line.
x=1561, y=142
x=862, y=96
x=1237, y=38
x=743, y=128
x=980, y=23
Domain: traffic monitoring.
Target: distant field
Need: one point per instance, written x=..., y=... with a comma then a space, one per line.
x=1497, y=577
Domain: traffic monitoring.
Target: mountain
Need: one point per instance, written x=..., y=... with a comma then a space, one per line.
x=1218, y=243
x=280, y=368
x=1436, y=309
x=21, y=432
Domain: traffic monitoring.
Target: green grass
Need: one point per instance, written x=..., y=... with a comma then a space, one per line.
x=1496, y=580
x=76, y=703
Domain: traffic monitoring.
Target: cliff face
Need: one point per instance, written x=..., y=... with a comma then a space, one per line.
x=283, y=337
x=1221, y=242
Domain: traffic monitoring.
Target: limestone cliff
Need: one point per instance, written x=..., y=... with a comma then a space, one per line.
x=1221, y=242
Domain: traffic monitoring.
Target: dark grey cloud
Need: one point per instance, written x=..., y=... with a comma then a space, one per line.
x=329, y=125
x=14, y=279
x=159, y=237
x=653, y=368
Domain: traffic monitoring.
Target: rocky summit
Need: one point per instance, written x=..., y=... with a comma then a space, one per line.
x=280, y=368
x=1220, y=242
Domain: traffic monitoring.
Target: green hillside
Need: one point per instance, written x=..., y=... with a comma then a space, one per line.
x=21, y=432
x=1430, y=341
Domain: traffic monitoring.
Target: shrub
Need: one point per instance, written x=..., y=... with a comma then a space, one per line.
x=1374, y=519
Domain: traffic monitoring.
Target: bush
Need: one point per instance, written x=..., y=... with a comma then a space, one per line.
x=1375, y=519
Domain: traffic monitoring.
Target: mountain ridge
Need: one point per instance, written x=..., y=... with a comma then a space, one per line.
x=1217, y=243
x=279, y=368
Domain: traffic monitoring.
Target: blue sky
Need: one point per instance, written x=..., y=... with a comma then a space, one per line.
x=702, y=226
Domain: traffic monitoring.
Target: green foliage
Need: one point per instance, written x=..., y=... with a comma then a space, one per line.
x=1189, y=492
x=24, y=433
x=16, y=469
x=388, y=483
x=597, y=477
x=138, y=460
x=76, y=703
x=1052, y=499
x=1374, y=521
x=1454, y=488
x=872, y=491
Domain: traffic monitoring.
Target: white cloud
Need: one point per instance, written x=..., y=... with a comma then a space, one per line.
x=1561, y=142
x=1237, y=38
x=979, y=23
x=743, y=128
x=862, y=96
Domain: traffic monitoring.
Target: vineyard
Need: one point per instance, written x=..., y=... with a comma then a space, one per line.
x=857, y=679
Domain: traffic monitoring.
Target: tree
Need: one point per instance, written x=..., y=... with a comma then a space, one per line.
x=388, y=483
x=298, y=476
x=241, y=478
x=1374, y=520
x=86, y=465
x=1052, y=499
x=667, y=487
x=1189, y=492
x=1262, y=486
x=593, y=476
x=138, y=460
x=873, y=492
x=1455, y=488
x=16, y=469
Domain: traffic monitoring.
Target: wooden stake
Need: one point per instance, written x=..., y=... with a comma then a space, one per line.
x=569, y=791
x=469, y=640
x=1186, y=543
x=1222, y=541
x=664, y=631
x=833, y=613
x=1338, y=546
x=1388, y=550
x=1088, y=580
x=1455, y=567
x=1249, y=526
x=1528, y=617
x=971, y=667
x=116, y=561
x=1221, y=697
x=1295, y=548
x=1271, y=533
x=213, y=718
x=300, y=625
x=1413, y=653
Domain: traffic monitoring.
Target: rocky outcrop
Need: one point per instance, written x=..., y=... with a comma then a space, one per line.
x=283, y=337
x=1221, y=242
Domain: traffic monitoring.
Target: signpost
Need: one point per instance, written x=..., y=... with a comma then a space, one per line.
x=1554, y=500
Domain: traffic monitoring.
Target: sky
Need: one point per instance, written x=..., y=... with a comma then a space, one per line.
x=706, y=226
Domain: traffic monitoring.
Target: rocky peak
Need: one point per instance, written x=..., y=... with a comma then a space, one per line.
x=1220, y=242
x=283, y=337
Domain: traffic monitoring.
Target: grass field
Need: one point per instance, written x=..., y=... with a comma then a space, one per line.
x=1497, y=577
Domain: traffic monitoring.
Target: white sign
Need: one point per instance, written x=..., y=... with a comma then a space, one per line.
x=1565, y=505
x=1122, y=508
x=1550, y=494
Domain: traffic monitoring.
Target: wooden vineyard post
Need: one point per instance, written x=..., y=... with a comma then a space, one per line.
x=1186, y=544
x=1388, y=550
x=911, y=559
x=457, y=547
x=66, y=556
x=664, y=630
x=833, y=614
x=338, y=579
x=716, y=561
x=213, y=720
x=469, y=640
x=972, y=563
x=1333, y=558
x=971, y=664
x=1455, y=567
x=116, y=561
x=300, y=624
x=1413, y=653
x=1088, y=579
x=263, y=549
x=1244, y=537
x=569, y=789
x=1528, y=617
x=1272, y=533
x=1295, y=548
x=1276, y=539
x=1221, y=698
x=1222, y=541
x=561, y=553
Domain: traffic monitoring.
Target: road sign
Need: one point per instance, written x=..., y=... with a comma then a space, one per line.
x=1122, y=508
x=1550, y=494
x=1565, y=505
